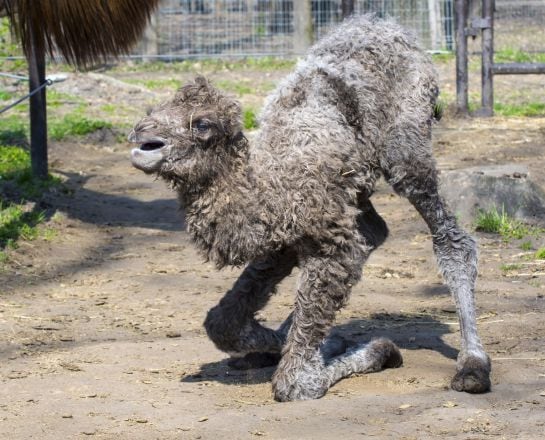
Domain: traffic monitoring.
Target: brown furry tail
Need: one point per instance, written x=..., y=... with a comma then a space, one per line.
x=82, y=31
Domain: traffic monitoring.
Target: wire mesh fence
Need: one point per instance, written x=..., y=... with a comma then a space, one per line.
x=213, y=28
x=519, y=26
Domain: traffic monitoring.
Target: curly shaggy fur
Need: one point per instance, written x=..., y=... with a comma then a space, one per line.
x=359, y=106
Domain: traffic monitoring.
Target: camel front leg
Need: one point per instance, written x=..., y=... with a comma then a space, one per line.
x=231, y=324
x=305, y=370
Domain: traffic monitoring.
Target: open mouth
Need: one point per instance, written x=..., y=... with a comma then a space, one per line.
x=150, y=154
x=152, y=145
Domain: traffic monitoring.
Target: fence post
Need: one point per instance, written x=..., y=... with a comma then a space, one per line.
x=461, y=11
x=38, y=114
x=150, y=43
x=487, y=78
x=434, y=14
x=302, y=23
x=347, y=8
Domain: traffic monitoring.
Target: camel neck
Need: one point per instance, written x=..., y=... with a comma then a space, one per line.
x=231, y=193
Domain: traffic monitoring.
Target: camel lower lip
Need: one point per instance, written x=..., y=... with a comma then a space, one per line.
x=148, y=160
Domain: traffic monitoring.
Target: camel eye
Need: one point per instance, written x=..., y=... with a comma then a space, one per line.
x=202, y=126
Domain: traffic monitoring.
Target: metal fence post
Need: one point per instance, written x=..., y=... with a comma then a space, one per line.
x=347, y=8
x=38, y=114
x=461, y=11
x=302, y=23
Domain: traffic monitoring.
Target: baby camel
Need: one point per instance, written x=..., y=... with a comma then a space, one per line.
x=360, y=105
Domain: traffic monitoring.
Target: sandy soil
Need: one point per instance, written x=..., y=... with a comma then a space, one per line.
x=101, y=329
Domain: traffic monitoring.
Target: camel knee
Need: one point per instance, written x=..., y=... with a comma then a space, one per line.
x=456, y=253
x=221, y=329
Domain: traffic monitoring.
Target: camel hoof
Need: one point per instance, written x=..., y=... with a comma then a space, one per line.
x=292, y=392
x=388, y=352
x=473, y=377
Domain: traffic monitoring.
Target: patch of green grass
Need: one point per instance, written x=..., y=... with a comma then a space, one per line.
x=540, y=254
x=154, y=84
x=16, y=224
x=493, y=221
x=510, y=267
x=13, y=130
x=9, y=48
x=234, y=87
x=443, y=57
x=525, y=109
x=526, y=245
x=268, y=63
x=13, y=161
x=49, y=234
x=511, y=55
x=109, y=109
x=18, y=219
x=57, y=99
x=521, y=107
x=265, y=64
x=15, y=168
x=4, y=96
x=249, y=119
x=242, y=88
x=75, y=124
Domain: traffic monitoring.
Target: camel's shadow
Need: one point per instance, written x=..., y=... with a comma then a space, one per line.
x=408, y=331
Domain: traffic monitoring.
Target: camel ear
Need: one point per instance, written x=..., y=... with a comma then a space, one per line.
x=201, y=81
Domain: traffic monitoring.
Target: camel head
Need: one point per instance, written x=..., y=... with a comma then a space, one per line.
x=190, y=138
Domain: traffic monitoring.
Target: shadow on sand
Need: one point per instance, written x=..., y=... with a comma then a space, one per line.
x=408, y=331
x=116, y=210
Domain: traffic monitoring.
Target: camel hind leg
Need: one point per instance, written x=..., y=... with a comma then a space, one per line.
x=412, y=174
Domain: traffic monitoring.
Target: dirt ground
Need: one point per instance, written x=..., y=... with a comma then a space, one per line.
x=101, y=329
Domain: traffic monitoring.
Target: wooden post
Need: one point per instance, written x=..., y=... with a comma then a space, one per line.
x=487, y=74
x=460, y=12
x=150, y=41
x=518, y=68
x=38, y=114
x=302, y=23
x=347, y=8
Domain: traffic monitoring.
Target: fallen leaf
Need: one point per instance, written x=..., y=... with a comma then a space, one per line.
x=449, y=404
x=405, y=406
x=202, y=419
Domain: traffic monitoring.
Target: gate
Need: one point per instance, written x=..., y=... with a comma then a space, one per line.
x=483, y=25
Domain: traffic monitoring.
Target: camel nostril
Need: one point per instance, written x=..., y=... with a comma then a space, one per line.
x=152, y=145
